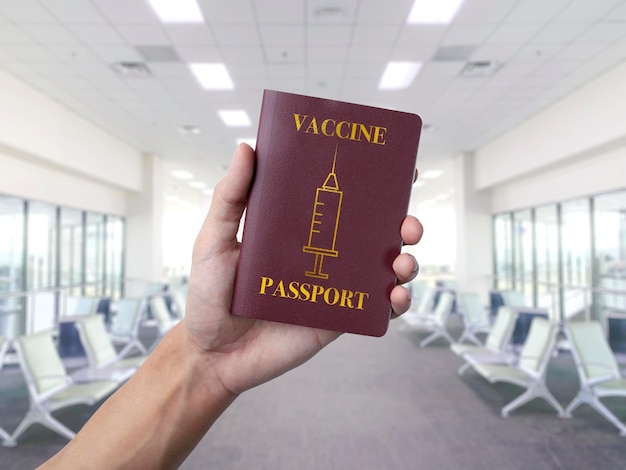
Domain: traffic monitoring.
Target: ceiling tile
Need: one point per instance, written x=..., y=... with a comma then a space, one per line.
x=235, y=35
x=484, y=11
x=112, y=54
x=586, y=10
x=194, y=54
x=279, y=35
x=189, y=34
x=74, y=53
x=581, y=51
x=375, y=35
x=420, y=35
x=472, y=35
x=30, y=53
x=535, y=10
x=606, y=32
x=284, y=55
x=327, y=54
x=74, y=11
x=10, y=34
x=125, y=11
x=279, y=11
x=143, y=35
x=28, y=11
x=508, y=33
x=321, y=12
x=97, y=34
x=369, y=54
x=244, y=54
x=49, y=33
x=387, y=12
x=221, y=12
x=328, y=35
x=560, y=33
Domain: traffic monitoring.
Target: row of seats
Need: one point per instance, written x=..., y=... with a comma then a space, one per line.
x=496, y=360
x=50, y=386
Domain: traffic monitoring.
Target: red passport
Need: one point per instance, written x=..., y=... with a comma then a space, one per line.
x=331, y=189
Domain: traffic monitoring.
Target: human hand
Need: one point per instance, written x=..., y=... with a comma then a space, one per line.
x=244, y=352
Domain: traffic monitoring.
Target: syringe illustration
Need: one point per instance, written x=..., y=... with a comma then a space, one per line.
x=324, y=223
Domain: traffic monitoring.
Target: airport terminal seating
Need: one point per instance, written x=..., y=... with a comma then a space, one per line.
x=598, y=371
x=476, y=318
x=126, y=323
x=530, y=370
x=434, y=323
x=49, y=386
x=497, y=344
x=163, y=317
x=103, y=360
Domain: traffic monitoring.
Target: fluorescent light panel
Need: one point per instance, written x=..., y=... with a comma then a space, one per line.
x=235, y=117
x=434, y=11
x=399, y=75
x=178, y=11
x=212, y=76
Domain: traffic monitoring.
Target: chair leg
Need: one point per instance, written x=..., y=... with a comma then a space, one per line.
x=463, y=368
x=535, y=391
x=5, y=437
x=42, y=417
x=595, y=403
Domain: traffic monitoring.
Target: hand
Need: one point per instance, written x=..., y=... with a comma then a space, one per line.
x=246, y=352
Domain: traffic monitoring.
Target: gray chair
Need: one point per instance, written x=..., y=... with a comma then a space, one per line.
x=126, y=323
x=598, y=371
x=475, y=317
x=50, y=388
x=435, y=323
x=530, y=372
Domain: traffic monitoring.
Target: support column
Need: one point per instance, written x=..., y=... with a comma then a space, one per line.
x=144, y=254
x=474, y=257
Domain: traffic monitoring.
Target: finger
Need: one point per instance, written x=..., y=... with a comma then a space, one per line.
x=229, y=199
x=406, y=267
x=415, y=175
x=411, y=230
x=400, y=300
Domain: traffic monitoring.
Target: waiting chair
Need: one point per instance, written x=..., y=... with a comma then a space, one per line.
x=165, y=321
x=496, y=348
x=126, y=324
x=435, y=323
x=598, y=370
x=475, y=317
x=421, y=309
x=82, y=305
x=531, y=370
x=104, y=362
x=50, y=388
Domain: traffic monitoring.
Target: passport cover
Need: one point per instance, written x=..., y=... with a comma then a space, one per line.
x=331, y=188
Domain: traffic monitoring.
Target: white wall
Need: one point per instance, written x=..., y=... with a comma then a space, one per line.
x=39, y=127
x=578, y=125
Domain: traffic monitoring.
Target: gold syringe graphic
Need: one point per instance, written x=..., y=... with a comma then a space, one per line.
x=324, y=223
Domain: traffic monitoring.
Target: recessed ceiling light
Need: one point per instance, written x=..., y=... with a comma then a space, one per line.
x=399, y=75
x=212, y=76
x=197, y=184
x=182, y=174
x=433, y=11
x=235, y=117
x=180, y=11
x=431, y=174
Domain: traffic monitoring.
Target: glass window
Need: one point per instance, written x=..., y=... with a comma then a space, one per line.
x=94, y=255
x=503, y=252
x=42, y=250
x=523, y=269
x=71, y=256
x=575, y=256
x=11, y=265
x=547, y=256
x=114, y=257
x=610, y=253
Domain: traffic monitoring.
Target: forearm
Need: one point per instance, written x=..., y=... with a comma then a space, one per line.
x=157, y=417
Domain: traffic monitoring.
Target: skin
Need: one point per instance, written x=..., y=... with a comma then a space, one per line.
x=202, y=365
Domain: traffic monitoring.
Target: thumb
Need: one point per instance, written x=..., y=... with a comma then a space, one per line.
x=229, y=201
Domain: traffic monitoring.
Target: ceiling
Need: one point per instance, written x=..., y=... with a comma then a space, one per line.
x=539, y=51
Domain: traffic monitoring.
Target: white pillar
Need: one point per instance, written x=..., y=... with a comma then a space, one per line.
x=474, y=257
x=144, y=256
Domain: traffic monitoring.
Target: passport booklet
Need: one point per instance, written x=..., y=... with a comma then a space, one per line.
x=331, y=188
